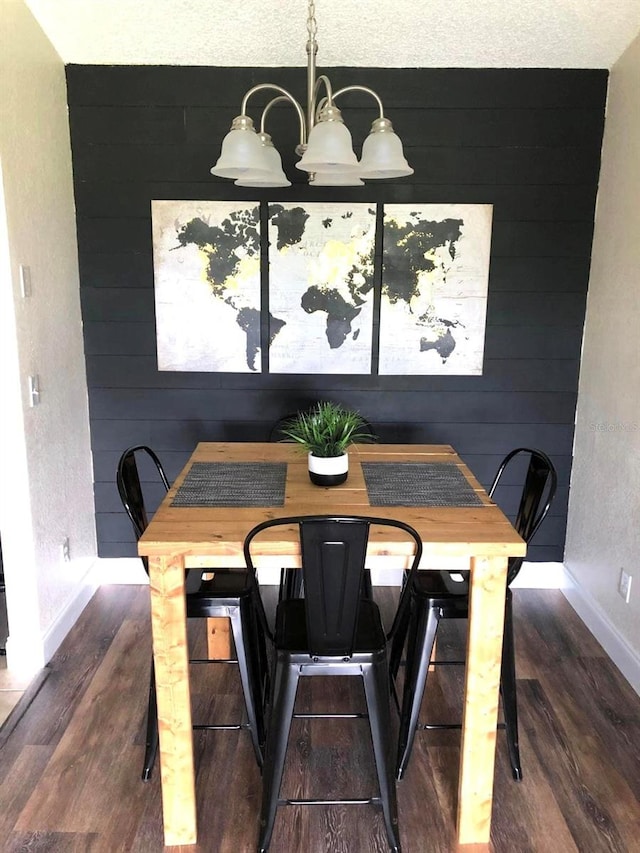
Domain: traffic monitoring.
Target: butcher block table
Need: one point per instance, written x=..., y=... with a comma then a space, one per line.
x=186, y=534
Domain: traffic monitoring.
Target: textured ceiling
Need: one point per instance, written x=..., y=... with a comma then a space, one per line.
x=382, y=33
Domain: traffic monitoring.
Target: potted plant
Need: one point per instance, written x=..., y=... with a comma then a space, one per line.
x=326, y=431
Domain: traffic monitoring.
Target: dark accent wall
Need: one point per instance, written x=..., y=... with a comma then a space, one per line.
x=526, y=141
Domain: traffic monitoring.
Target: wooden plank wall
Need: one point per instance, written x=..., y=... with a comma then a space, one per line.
x=526, y=141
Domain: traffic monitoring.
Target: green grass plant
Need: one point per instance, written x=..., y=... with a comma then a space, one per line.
x=327, y=429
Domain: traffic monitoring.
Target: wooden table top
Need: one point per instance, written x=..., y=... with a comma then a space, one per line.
x=220, y=531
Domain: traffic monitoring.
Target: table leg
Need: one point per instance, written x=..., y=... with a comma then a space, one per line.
x=170, y=652
x=482, y=687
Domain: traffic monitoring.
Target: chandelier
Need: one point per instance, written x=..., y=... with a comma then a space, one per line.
x=250, y=158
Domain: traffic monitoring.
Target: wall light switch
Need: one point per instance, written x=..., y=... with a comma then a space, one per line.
x=624, y=585
x=34, y=390
x=25, y=281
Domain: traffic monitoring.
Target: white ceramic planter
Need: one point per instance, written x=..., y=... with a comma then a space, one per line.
x=328, y=471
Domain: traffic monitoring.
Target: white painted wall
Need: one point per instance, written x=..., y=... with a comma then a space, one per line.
x=45, y=466
x=383, y=34
x=604, y=508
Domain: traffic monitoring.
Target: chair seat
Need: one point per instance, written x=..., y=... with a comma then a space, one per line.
x=225, y=589
x=441, y=584
x=217, y=582
x=291, y=627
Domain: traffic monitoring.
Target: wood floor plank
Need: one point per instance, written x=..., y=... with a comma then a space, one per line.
x=92, y=778
x=427, y=796
x=18, y=781
x=228, y=816
x=72, y=673
x=587, y=814
x=70, y=768
x=526, y=815
x=542, y=642
x=55, y=842
x=593, y=697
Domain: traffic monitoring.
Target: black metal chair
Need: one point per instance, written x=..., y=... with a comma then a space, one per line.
x=275, y=433
x=437, y=595
x=219, y=593
x=334, y=630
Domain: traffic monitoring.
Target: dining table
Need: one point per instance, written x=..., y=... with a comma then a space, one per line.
x=226, y=488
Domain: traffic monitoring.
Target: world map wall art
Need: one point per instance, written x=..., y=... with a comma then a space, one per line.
x=293, y=287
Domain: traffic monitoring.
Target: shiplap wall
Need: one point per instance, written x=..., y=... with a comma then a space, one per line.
x=526, y=141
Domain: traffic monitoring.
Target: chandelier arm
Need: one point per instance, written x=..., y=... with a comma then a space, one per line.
x=266, y=111
x=321, y=104
x=315, y=106
x=284, y=95
x=362, y=89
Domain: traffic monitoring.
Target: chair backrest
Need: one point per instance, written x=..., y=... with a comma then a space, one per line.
x=538, y=491
x=333, y=550
x=275, y=433
x=130, y=488
x=333, y=558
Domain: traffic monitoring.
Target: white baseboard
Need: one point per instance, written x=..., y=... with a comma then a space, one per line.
x=615, y=645
x=25, y=654
x=120, y=570
x=28, y=651
x=540, y=576
x=65, y=621
x=129, y=570
x=531, y=575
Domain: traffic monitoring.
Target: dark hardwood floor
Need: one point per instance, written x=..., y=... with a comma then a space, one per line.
x=70, y=760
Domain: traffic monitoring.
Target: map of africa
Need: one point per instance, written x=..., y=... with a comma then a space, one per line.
x=321, y=259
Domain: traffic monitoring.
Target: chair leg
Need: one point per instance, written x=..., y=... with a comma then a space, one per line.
x=508, y=690
x=367, y=585
x=290, y=584
x=400, y=636
x=376, y=686
x=283, y=701
x=422, y=634
x=152, y=743
x=247, y=654
x=262, y=657
x=398, y=642
x=259, y=626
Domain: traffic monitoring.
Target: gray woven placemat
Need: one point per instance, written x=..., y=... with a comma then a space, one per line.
x=417, y=484
x=233, y=484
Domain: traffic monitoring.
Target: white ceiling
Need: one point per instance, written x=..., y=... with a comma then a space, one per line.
x=377, y=33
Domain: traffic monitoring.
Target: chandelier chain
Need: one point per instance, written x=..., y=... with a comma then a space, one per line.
x=312, y=24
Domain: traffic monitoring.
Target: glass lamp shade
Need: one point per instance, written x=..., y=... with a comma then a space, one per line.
x=275, y=177
x=329, y=149
x=335, y=179
x=242, y=155
x=382, y=155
